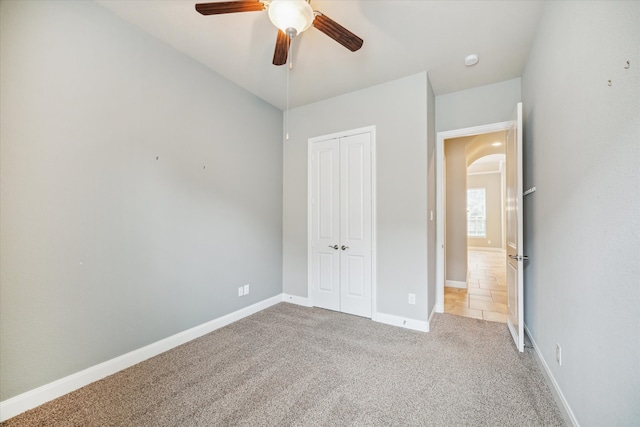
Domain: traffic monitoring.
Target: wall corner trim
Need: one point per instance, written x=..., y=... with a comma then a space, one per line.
x=403, y=322
x=555, y=388
x=294, y=299
x=433, y=312
x=36, y=397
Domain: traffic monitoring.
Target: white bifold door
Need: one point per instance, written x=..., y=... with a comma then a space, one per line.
x=340, y=223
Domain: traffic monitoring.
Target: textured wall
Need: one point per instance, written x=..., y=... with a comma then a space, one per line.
x=398, y=109
x=582, y=234
x=105, y=249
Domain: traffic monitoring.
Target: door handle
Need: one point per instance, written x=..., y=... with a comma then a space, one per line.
x=519, y=257
x=334, y=247
x=345, y=247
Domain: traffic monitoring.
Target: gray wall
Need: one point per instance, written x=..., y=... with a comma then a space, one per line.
x=582, y=234
x=398, y=109
x=492, y=183
x=479, y=106
x=104, y=248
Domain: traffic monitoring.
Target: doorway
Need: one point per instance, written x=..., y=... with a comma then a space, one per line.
x=483, y=293
x=514, y=221
x=446, y=264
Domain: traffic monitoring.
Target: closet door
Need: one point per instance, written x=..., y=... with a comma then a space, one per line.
x=325, y=224
x=355, y=225
x=341, y=224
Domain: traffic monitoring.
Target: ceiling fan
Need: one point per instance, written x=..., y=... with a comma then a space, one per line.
x=291, y=17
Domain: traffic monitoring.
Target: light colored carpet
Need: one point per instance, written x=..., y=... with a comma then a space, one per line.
x=296, y=366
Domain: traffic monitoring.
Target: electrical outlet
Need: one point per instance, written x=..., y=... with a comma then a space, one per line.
x=246, y=289
x=559, y=354
x=412, y=298
x=241, y=291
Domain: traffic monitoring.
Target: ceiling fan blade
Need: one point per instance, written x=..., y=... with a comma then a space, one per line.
x=229, y=7
x=282, y=48
x=337, y=32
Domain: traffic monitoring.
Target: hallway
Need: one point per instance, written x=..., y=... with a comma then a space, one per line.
x=486, y=294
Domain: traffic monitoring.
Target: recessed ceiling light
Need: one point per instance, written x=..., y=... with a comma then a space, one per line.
x=497, y=144
x=471, y=60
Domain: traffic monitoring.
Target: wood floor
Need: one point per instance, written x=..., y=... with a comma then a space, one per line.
x=486, y=293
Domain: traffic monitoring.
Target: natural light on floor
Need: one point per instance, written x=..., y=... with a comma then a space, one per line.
x=486, y=293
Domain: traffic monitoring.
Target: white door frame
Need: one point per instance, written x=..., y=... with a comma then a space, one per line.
x=440, y=211
x=372, y=131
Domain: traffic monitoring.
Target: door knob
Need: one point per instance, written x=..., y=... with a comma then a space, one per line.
x=334, y=247
x=345, y=247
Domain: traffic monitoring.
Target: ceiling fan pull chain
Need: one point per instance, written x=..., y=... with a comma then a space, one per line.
x=286, y=114
x=290, y=52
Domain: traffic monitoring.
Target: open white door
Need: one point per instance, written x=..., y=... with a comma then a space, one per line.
x=515, y=259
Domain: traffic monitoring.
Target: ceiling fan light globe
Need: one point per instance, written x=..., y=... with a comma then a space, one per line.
x=287, y=14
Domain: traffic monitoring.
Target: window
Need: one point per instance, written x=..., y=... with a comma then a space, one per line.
x=476, y=213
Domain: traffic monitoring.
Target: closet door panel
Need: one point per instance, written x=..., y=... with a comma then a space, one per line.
x=325, y=224
x=355, y=224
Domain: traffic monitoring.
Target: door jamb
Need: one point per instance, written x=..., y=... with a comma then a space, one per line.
x=372, y=131
x=440, y=179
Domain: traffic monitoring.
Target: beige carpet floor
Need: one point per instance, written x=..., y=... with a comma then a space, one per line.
x=296, y=366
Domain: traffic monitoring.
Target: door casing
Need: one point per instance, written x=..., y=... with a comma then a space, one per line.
x=372, y=131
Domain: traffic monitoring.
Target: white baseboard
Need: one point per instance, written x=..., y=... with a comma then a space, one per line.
x=389, y=319
x=565, y=408
x=403, y=322
x=36, y=397
x=484, y=248
x=293, y=299
x=455, y=284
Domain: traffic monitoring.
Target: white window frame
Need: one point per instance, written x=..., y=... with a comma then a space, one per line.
x=482, y=219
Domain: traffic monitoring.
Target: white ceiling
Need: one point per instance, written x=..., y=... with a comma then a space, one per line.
x=400, y=38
